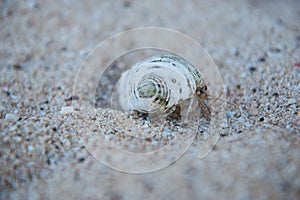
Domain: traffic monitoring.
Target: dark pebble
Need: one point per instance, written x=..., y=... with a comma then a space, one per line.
x=262, y=59
x=17, y=67
x=72, y=98
x=252, y=69
x=261, y=119
x=275, y=50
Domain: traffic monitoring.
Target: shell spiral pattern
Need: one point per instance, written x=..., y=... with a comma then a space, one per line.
x=156, y=85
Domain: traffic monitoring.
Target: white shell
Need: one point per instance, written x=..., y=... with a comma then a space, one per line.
x=157, y=84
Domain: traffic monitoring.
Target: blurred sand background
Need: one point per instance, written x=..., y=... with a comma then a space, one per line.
x=255, y=45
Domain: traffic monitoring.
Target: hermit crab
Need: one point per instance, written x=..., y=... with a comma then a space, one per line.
x=160, y=85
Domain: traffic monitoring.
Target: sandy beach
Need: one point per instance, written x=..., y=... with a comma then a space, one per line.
x=47, y=144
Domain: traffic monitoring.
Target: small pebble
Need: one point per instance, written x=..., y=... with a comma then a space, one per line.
x=230, y=114
x=66, y=110
x=5, y=139
x=146, y=131
x=30, y=149
x=145, y=126
x=291, y=101
x=18, y=139
x=11, y=118
x=2, y=108
x=167, y=130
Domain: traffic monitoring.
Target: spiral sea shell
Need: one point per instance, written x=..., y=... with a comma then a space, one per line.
x=158, y=84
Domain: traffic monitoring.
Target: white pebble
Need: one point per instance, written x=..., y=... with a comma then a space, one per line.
x=11, y=117
x=18, y=139
x=66, y=110
x=30, y=149
x=5, y=139
x=291, y=101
